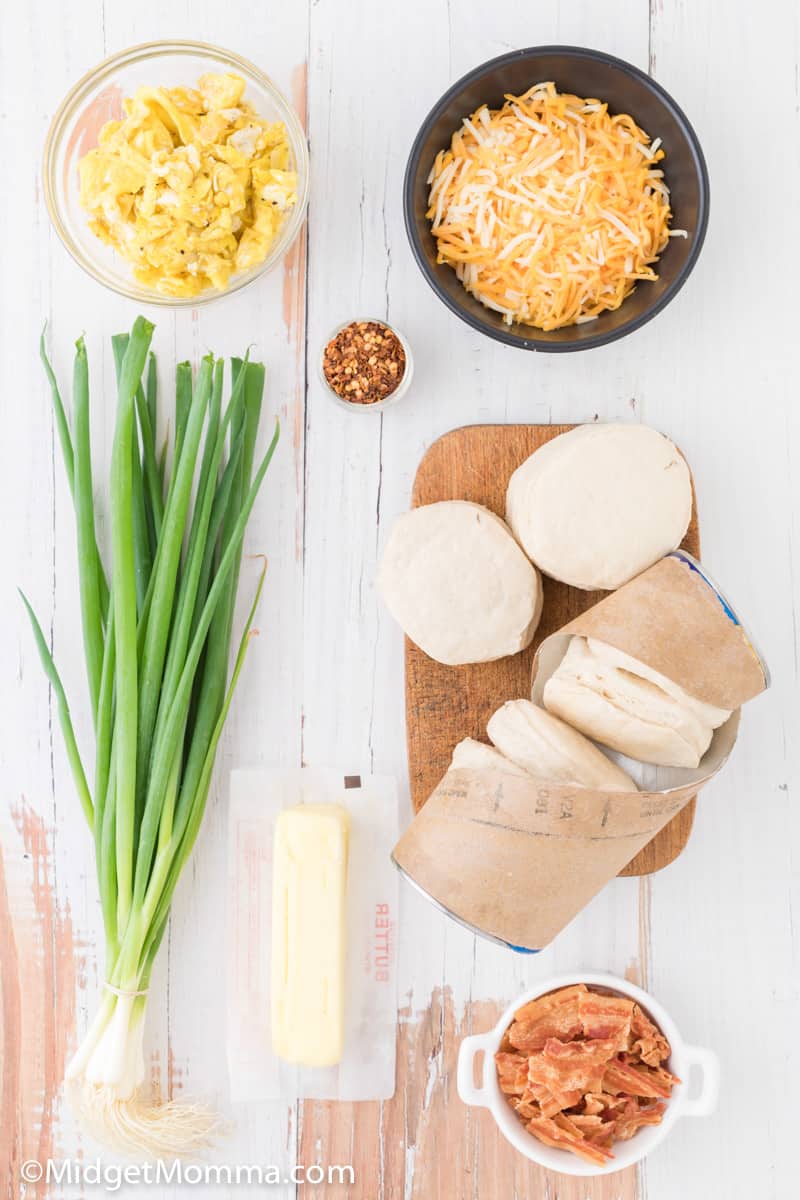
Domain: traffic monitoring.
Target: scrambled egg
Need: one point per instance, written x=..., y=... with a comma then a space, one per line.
x=191, y=187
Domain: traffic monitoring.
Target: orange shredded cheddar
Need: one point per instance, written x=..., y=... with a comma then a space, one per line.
x=549, y=209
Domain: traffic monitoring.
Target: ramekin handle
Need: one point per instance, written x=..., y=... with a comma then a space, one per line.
x=465, y=1077
x=706, y=1101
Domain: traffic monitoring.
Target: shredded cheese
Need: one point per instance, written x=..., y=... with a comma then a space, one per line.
x=549, y=209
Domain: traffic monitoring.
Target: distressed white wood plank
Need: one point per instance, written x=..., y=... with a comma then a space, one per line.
x=41, y=538
x=725, y=373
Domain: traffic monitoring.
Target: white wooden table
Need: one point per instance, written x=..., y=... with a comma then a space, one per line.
x=716, y=935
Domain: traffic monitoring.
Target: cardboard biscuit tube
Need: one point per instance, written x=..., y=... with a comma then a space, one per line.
x=517, y=859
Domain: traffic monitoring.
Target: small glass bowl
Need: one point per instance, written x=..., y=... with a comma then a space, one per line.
x=394, y=396
x=97, y=98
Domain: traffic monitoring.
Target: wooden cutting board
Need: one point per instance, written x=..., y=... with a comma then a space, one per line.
x=446, y=704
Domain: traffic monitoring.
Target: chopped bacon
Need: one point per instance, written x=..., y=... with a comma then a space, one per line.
x=505, y=1046
x=547, y=1131
x=565, y=1122
x=552, y=1102
x=525, y=1110
x=635, y=1116
x=583, y=1069
x=594, y=1129
x=600, y=1102
x=604, y=1016
x=555, y=1015
x=647, y=1041
x=588, y=1122
x=542, y=1004
x=661, y=1072
x=571, y=1066
x=512, y=1073
x=638, y=1081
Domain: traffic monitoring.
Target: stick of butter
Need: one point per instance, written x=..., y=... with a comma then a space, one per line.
x=309, y=918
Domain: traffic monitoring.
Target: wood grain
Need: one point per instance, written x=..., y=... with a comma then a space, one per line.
x=445, y=704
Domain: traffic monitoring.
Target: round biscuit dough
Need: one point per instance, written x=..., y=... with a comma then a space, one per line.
x=458, y=584
x=598, y=505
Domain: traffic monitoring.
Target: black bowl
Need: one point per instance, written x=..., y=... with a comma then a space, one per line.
x=585, y=73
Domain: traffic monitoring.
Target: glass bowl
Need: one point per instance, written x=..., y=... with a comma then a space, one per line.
x=97, y=98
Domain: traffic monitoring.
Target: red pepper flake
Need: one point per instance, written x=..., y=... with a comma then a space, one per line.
x=365, y=362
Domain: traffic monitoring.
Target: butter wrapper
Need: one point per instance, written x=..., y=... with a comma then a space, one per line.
x=367, y=1068
x=517, y=859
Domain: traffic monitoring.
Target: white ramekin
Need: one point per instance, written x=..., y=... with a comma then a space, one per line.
x=683, y=1060
x=377, y=405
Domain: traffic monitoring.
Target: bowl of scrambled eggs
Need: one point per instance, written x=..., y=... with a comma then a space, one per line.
x=176, y=172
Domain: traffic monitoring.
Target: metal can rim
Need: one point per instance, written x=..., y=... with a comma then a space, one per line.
x=490, y=937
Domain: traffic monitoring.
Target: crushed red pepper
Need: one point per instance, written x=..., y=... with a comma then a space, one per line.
x=365, y=362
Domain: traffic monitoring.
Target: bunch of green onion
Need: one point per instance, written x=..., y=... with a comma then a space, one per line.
x=157, y=637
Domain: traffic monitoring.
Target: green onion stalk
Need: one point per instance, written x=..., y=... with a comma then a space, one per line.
x=157, y=633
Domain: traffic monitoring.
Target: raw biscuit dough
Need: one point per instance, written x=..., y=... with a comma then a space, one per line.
x=549, y=749
x=598, y=505
x=457, y=583
x=629, y=707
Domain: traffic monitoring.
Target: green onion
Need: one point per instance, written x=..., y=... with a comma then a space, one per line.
x=64, y=717
x=124, y=600
x=146, y=410
x=157, y=646
x=88, y=559
x=62, y=425
x=68, y=455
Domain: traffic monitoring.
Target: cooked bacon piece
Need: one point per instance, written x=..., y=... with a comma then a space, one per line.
x=551, y=1102
x=587, y=1124
x=571, y=1066
x=525, y=1109
x=550, y=1105
x=554, y=1015
x=594, y=1129
x=604, y=1016
x=638, y=1081
x=512, y=1073
x=635, y=1116
x=662, y=1072
x=547, y=1131
x=543, y=1004
x=565, y=1122
x=647, y=1041
x=601, y=1102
